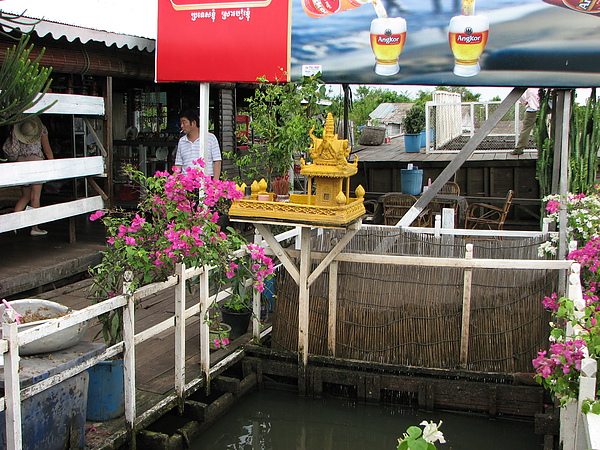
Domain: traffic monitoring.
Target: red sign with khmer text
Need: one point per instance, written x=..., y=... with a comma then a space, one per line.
x=223, y=41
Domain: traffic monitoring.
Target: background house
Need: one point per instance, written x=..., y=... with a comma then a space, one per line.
x=390, y=116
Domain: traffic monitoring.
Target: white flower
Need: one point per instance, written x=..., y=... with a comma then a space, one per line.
x=431, y=432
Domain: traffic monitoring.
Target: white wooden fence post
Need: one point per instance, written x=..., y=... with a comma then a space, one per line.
x=12, y=389
x=129, y=354
x=256, y=297
x=332, y=317
x=204, y=327
x=466, y=309
x=303, y=308
x=180, y=335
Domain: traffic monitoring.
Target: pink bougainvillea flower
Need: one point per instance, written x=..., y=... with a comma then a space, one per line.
x=97, y=215
x=553, y=206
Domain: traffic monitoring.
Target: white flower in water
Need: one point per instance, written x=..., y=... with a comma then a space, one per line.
x=431, y=432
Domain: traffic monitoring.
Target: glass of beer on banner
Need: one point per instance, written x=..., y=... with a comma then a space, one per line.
x=387, y=41
x=468, y=36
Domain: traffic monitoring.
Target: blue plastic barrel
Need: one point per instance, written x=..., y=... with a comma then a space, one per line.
x=411, y=181
x=106, y=392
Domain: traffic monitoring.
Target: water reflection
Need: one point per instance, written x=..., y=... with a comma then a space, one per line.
x=281, y=421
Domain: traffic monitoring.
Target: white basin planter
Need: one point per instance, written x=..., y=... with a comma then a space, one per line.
x=44, y=311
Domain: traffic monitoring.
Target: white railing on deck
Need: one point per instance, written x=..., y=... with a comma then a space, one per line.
x=28, y=172
x=451, y=118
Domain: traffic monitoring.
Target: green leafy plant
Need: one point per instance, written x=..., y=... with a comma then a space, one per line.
x=240, y=275
x=414, y=121
x=23, y=82
x=175, y=222
x=416, y=438
x=282, y=115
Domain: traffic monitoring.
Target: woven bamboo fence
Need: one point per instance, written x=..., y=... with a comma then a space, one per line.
x=409, y=315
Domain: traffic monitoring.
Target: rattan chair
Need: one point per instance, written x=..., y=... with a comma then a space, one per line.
x=436, y=205
x=396, y=205
x=486, y=216
x=450, y=188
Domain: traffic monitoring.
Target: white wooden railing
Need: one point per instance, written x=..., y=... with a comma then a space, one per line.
x=27, y=172
x=12, y=339
x=451, y=118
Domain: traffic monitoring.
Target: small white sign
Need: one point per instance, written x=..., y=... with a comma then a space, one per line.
x=311, y=69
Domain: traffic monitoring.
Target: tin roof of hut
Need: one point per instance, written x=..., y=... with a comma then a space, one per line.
x=390, y=112
x=130, y=23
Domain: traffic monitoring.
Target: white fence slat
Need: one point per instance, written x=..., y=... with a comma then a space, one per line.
x=442, y=262
x=73, y=318
x=27, y=172
x=129, y=353
x=204, y=302
x=80, y=105
x=466, y=309
x=332, y=316
x=30, y=217
x=180, y=335
x=12, y=394
x=256, y=302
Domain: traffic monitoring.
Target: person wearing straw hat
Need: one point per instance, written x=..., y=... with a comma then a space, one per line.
x=31, y=139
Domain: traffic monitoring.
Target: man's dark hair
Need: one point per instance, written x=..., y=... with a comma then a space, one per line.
x=190, y=115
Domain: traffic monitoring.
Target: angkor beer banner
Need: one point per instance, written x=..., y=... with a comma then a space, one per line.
x=222, y=41
x=414, y=42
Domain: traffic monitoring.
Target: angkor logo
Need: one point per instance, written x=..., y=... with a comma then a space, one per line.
x=388, y=32
x=468, y=31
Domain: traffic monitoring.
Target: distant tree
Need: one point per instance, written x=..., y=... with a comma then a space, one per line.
x=423, y=97
x=496, y=99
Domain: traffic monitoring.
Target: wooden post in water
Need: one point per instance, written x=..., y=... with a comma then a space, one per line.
x=332, y=316
x=303, y=308
x=180, y=335
x=129, y=355
x=466, y=310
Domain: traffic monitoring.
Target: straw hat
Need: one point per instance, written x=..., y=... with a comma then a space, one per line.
x=29, y=131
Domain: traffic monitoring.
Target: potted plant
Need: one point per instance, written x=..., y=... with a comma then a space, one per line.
x=281, y=189
x=413, y=124
x=282, y=115
x=236, y=311
x=172, y=224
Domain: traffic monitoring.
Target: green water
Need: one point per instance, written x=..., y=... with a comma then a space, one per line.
x=279, y=420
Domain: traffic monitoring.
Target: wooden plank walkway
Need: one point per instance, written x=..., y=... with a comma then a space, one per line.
x=30, y=264
x=394, y=151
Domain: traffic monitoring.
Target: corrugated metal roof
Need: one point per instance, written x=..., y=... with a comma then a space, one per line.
x=390, y=112
x=130, y=23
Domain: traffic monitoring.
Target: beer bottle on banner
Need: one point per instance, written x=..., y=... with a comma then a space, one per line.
x=322, y=8
x=582, y=6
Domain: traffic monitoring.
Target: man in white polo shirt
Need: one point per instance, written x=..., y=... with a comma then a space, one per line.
x=188, y=148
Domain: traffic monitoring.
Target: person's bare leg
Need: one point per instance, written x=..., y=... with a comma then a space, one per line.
x=36, y=194
x=25, y=198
